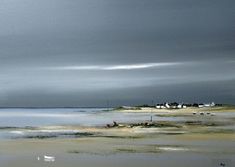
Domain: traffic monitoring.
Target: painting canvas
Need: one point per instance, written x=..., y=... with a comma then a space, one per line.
x=117, y=83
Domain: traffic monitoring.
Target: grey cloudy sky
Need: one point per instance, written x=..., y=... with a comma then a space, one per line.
x=85, y=52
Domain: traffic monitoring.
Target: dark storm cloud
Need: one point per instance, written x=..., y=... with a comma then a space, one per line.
x=69, y=53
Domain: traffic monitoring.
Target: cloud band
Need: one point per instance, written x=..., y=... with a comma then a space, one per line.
x=116, y=67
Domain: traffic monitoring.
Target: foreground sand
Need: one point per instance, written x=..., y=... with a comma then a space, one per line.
x=183, y=150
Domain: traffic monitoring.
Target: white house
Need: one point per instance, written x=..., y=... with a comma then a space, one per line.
x=212, y=104
x=201, y=105
x=162, y=107
x=180, y=106
x=209, y=104
x=167, y=105
x=158, y=106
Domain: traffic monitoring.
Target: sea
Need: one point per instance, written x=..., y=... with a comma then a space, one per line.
x=46, y=122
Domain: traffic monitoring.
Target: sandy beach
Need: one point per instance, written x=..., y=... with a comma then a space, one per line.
x=185, y=136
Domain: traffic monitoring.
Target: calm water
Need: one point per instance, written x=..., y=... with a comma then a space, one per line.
x=64, y=116
x=13, y=119
x=44, y=117
x=76, y=116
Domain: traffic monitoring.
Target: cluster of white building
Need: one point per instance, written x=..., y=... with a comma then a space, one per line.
x=182, y=105
x=171, y=106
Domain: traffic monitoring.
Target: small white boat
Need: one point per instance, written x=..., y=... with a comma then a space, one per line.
x=49, y=158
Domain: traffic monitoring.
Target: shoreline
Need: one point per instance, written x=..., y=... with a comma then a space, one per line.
x=183, y=110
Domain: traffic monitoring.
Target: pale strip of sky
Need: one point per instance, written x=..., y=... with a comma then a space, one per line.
x=115, y=67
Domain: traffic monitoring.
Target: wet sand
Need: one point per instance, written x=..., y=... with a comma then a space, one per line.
x=183, y=150
x=196, y=142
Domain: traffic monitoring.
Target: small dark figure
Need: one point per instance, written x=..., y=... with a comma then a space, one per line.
x=222, y=164
x=115, y=123
x=108, y=126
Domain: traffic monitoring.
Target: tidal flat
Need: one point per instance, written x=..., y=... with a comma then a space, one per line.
x=184, y=138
